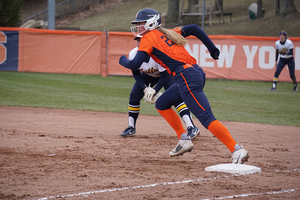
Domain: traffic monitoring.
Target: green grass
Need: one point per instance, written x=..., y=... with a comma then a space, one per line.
x=118, y=18
x=230, y=100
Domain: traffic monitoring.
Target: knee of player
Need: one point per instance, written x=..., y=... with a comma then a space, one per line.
x=135, y=98
x=162, y=104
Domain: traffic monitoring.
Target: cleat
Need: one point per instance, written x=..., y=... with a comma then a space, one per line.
x=192, y=132
x=295, y=89
x=129, y=132
x=182, y=147
x=239, y=156
x=272, y=89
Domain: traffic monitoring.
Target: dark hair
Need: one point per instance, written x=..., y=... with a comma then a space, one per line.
x=283, y=33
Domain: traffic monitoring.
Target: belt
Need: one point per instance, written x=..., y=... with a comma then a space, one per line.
x=184, y=67
x=286, y=58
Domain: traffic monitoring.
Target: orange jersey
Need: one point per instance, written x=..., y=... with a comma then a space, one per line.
x=164, y=52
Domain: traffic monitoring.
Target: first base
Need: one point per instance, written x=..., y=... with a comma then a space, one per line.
x=234, y=168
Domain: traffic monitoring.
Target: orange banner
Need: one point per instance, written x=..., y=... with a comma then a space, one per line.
x=91, y=52
x=60, y=51
x=241, y=58
x=119, y=43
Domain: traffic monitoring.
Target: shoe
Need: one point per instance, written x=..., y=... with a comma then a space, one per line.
x=239, y=156
x=192, y=132
x=129, y=132
x=182, y=147
x=272, y=89
x=295, y=88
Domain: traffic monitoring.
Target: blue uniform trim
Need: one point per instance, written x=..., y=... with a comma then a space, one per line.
x=172, y=64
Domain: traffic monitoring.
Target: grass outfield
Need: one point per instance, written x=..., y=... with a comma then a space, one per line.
x=242, y=101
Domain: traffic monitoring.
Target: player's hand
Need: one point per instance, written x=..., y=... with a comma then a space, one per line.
x=149, y=93
x=215, y=54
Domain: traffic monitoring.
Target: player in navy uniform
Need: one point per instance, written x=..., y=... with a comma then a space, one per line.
x=166, y=47
x=285, y=51
x=152, y=73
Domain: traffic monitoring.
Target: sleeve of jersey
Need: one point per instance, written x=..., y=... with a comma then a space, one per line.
x=290, y=52
x=146, y=46
x=136, y=62
x=162, y=81
x=195, y=30
x=138, y=78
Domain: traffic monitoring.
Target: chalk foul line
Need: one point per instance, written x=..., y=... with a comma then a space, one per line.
x=254, y=194
x=176, y=182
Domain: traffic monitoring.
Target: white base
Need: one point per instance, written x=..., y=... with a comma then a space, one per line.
x=234, y=168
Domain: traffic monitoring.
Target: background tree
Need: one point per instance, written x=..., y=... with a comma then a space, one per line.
x=191, y=19
x=287, y=7
x=10, y=13
x=173, y=13
x=220, y=3
x=259, y=9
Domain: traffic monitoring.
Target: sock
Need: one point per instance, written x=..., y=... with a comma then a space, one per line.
x=294, y=82
x=185, y=114
x=131, y=121
x=133, y=113
x=172, y=118
x=275, y=81
x=221, y=132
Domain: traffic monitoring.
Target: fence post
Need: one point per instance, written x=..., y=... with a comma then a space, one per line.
x=51, y=14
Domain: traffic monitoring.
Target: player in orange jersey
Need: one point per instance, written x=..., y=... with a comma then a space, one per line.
x=166, y=47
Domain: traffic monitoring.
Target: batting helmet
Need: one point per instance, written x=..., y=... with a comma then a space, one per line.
x=151, y=18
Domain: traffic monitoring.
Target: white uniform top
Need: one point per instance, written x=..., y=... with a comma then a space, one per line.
x=150, y=68
x=288, y=44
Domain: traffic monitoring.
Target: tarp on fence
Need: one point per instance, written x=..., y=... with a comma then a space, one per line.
x=91, y=52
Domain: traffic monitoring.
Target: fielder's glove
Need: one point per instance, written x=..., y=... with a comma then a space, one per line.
x=150, y=95
x=283, y=51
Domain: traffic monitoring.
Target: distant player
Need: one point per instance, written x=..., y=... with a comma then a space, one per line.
x=285, y=51
x=152, y=73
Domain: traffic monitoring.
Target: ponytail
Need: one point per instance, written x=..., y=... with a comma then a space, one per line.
x=175, y=37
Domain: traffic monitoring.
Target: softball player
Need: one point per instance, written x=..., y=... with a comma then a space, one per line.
x=166, y=47
x=152, y=73
x=284, y=48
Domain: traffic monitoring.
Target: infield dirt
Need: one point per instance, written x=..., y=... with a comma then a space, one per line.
x=71, y=154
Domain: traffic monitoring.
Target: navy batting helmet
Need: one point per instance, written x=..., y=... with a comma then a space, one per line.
x=151, y=18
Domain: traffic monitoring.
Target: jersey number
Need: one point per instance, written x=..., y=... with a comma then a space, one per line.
x=169, y=42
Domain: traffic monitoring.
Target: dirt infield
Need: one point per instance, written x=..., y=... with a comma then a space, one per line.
x=69, y=154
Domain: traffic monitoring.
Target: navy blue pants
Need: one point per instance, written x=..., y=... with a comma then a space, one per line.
x=291, y=65
x=189, y=88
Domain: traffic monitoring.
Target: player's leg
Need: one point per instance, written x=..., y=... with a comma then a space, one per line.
x=291, y=66
x=191, y=82
x=279, y=68
x=181, y=107
x=136, y=95
x=163, y=106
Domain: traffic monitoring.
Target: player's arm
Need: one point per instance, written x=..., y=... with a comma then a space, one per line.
x=290, y=52
x=276, y=55
x=136, y=62
x=195, y=30
x=162, y=81
x=138, y=78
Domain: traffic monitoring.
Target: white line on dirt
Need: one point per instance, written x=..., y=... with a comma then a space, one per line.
x=134, y=187
x=254, y=194
x=172, y=183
